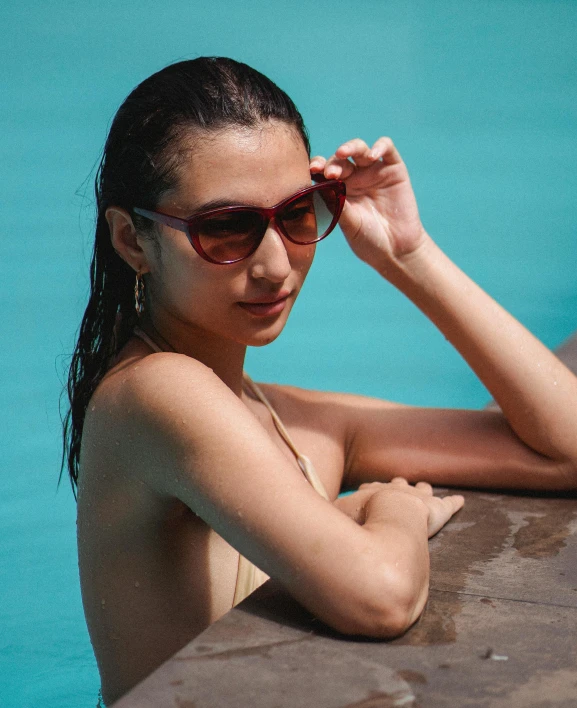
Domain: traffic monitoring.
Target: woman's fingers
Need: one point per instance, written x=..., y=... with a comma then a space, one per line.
x=363, y=155
x=372, y=485
x=385, y=150
x=338, y=168
x=457, y=501
x=441, y=510
x=348, y=156
x=399, y=482
x=358, y=151
x=317, y=164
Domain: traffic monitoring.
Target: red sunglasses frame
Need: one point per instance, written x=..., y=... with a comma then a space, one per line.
x=270, y=213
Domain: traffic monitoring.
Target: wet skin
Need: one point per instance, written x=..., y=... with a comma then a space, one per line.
x=179, y=465
x=153, y=573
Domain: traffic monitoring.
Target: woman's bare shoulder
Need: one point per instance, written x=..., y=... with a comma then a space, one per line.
x=147, y=406
x=149, y=382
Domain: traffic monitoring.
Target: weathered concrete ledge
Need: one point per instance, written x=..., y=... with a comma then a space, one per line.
x=499, y=629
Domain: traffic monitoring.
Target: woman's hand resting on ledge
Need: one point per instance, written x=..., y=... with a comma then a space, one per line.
x=359, y=505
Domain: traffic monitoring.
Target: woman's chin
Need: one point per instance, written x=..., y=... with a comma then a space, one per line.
x=262, y=336
x=263, y=331
x=263, y=342
x=261, y=339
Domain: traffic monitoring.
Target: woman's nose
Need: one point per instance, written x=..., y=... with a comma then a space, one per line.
x=271, y=259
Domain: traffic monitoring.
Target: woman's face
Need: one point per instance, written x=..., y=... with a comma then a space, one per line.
x=249, y=301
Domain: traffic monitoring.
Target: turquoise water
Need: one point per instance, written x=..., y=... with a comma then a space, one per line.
x=480, y=99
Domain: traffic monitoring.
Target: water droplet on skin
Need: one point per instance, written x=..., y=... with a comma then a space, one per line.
x=93, y=408
x=554, y=383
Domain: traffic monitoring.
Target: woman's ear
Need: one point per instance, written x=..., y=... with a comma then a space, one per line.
x=125, y=239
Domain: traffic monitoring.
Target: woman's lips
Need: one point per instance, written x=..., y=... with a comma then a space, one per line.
x=265, y=309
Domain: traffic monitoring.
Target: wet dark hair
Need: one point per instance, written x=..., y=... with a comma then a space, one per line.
x=139, y=164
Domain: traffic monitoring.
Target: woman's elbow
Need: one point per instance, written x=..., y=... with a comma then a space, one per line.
x=382, y=610
x=570, y=475
x=561, y=476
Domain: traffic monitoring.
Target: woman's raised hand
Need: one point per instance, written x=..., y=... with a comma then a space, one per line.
x=360, y=504
x=380, y=219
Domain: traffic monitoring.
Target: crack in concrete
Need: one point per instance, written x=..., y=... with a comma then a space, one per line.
x=506, y=599
x=258, y=650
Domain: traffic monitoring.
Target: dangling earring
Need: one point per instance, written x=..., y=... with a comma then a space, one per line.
x=139, y=297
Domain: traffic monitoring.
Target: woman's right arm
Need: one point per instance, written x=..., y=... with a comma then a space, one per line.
x=186, y=435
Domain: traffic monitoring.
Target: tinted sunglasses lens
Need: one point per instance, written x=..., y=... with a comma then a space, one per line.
x=307, y=218
x=231, y=236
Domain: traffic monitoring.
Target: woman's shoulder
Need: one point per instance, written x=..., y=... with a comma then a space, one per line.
x=145, y=394
x=156, y=412
x=138, y=379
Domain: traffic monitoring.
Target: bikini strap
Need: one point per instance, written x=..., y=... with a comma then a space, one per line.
x=303, y=461
x=141, y=334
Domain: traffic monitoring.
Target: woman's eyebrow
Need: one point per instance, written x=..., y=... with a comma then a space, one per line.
x=214, y=204
x=194, y=209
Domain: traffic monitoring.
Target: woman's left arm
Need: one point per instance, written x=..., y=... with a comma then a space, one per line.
x=535, y=391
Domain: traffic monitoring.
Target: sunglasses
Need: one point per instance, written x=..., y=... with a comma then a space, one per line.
x=231, y=234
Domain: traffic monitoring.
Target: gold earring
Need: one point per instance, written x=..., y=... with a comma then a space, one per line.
x=139, y=297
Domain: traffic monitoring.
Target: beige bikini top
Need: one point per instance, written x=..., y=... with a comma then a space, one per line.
x=249, y=577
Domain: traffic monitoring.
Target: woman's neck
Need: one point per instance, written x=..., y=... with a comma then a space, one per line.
x=224, y=357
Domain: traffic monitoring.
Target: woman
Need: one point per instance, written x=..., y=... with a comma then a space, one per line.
x=188, y=473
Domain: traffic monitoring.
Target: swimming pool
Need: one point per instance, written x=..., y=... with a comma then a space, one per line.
x=480, y=99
